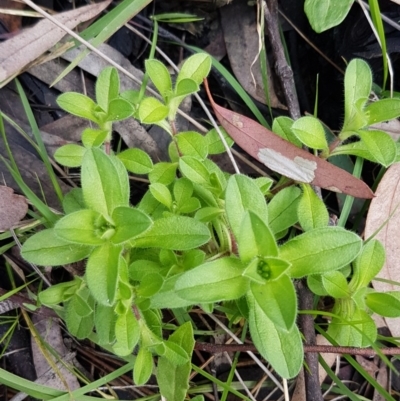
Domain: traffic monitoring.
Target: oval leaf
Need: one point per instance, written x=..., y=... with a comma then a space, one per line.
x=320, y=250
x=282, y=349
x=46, y=249
x=102, y=273
x=175, y=232
x=81, y=227
x=215, y=281
x=105, y=182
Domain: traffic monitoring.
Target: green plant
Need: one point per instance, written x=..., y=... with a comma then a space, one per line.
x=202, y=236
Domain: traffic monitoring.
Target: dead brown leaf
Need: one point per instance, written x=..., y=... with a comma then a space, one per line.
x=239, y=25
x=13, y=208
x=285, y=158
x=17, y=52
x=384, y=215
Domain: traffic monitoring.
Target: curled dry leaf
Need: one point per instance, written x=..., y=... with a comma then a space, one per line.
x=285, y=158
x=17, y=52
x=13, y=208
x=384, y=219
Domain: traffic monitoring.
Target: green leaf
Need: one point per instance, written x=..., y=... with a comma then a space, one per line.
x=310, y=131
x=78, y=105
x=58, y=293
x=264, y=183
x=93, y=137
x=282, y=349
x=185, y=87
x=196, y=67
x=104, y=320
x=79, y=325
x=206, y=214
x=162, y=194
x=278, y=300
x=282, y=209
x=163, y=172
x=149, y=285
x=380, y=145
x=174, y=232
x=82, y=302
x=335, y=284
x=367, y=265
x=320, y=251
x=183, y=190
x=215, y=145
x=73, y=201
x=255, y=238
x=314, y=283
x=383, y=110
x=102, y=273
x=174, y=380
x=167, y=297
x=84, y=227
x=152, y=111
x=143, y=367
x=160, y=76
x=190, y=206
x=105, y=182
x=176, y=18
x=129, y=223
x=173, y=352
x=70, y=155
x=325, y=14
x=136, y=161
x=215, y=281
x=282, y=126
x=354, y=328
x=107, y=87
x=132, y=96
x=119, y=109
x=357, y=87
x=46, y=249
x=242, y=194
x=355, y=148
x=192, y=144
x=127, y=333
x=386, y=304
x=311, y=211
x=194, y=170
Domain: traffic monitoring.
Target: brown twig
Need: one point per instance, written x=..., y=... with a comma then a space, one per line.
x=321, y=349
x=311, y=375
x=282, y=68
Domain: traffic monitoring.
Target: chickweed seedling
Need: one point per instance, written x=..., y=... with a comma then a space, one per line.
x=200, y=236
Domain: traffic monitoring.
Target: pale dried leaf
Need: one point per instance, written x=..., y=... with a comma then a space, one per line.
x=384, y=215
x=50, y=331
x=383, y=379
x=19, y=51
x=13, y=208
x=392, y=127
x=239, y=25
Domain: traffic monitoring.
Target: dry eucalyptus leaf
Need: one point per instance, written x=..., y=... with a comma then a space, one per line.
x=384, y=215
x=17, y=52
x=242, y=45
x=13, y=208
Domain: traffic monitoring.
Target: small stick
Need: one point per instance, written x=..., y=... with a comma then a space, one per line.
x=322, y=349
